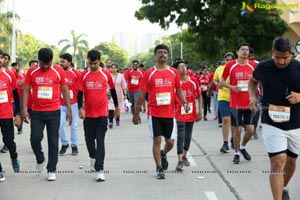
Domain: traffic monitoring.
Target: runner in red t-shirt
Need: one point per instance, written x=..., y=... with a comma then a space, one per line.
x=185, y=121
x=239, y=71
x=161, y=82
x=134, y=77
x=72, y=79
x=93, y=86
x=8, y=93
x=203, y=82
x=46, y=81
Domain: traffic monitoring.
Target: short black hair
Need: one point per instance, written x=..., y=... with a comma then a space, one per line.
x=251, y=50
x=45, y=55
x=142, y=65
x=242, y=44
x=134, y=61
x=32, y=61
x=282, y=44
x=94, y=55
x=14, y=64
x=7, y=55
x=161, y=46
x=66, y=56
x=1, y=52
x=175, y=65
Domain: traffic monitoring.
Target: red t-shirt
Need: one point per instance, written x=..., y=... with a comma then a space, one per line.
x=161, y=86
x=204, y=80
x=45, y=87
x=72, y=80
x=94, y=86
x=239, y=75
x=134, y=79
x=7, y=85
x=190, y=90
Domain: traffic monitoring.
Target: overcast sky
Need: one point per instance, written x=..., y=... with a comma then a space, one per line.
x=52, y=20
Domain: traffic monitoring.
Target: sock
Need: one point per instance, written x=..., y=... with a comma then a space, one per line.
x=285, y=188
x=242, y=147
x=236, y=153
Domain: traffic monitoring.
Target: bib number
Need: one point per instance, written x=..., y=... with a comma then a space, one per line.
x=243, y=84
x=3, y=97
x=134, y=81
x=45, y=92
x=163, y=99
x=279, y=114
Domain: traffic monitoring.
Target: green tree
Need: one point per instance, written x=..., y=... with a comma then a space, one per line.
x=112, y=51
x=217, y=26
x=78, y=44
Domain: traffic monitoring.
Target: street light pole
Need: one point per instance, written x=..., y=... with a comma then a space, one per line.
x=13, y=44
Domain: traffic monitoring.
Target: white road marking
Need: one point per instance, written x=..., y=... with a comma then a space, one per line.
x=191, y=159
x=211, y=195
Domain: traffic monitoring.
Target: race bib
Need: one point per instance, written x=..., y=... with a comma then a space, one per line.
x=279, y=114
x=134, y=81
x=243, y=84
x=190, y=111
x=204, y=87
x=163, y=99
x=45, y=92
x=3, y=96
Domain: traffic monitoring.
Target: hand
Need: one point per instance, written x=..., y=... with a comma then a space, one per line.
x=18, y=120
x=198, y=116
x=117, y=112
x=81, y=113
x=236, y=89
x=69, y=116
x=26, y=116
x=136, y=119
x=293, y=98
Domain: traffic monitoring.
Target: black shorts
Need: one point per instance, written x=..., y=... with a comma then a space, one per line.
x=162, y=127
x=241, y=116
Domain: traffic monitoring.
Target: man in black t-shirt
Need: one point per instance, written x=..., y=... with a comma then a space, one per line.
x=280, y=79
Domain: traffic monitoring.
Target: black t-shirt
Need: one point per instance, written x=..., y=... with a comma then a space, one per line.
x=277, y=84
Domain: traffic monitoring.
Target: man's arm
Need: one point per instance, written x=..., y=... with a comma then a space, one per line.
x=252, y=87
x=66, y=96
x=25, y=94
x=136, y=116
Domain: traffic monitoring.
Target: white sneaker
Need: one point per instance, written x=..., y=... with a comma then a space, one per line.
x=51, y=176
x=100, y=176
x=39, y=167
x=92, y=164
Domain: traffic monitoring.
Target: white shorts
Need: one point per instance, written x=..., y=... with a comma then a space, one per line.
x=277, y=140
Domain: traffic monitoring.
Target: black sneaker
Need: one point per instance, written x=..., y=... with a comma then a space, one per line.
x=255, y=135
x=245, y=154
x=236, y=159
x=160, y=173
x=185, y=161
x=179, y=166
x=285, y=195
x=224, y=148
x=74, y=151
x=4, y=149
x=63, y=149
x=163, y=160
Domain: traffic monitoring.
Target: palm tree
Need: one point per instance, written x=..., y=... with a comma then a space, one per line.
x=78, y=44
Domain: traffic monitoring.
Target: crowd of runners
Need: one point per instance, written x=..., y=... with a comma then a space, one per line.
x=242, y=90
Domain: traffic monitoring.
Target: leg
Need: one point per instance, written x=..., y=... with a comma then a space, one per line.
x=89, y=125
x=180, y=139
x=7, y=129
x=204, y=97
x=156, y=149
x=37, y=127
x=74, y=125
x=131, y=99
x=289, y=169
x=248, y=134
x=52, y=123
x=276, y=175
x=100, y=138
x=62, y=133
x=188, y=136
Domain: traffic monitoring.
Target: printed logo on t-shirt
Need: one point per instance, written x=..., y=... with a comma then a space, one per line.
x=159, y=82
x=3, y=84
x=43, y=80
x=3, y=96
x=94, y=85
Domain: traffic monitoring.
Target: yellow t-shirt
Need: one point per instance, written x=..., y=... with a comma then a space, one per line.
x=224, y=92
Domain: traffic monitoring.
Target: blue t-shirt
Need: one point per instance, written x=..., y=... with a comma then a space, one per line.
x=277, y=84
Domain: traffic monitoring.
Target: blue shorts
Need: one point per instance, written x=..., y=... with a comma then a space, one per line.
x=224, y=108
